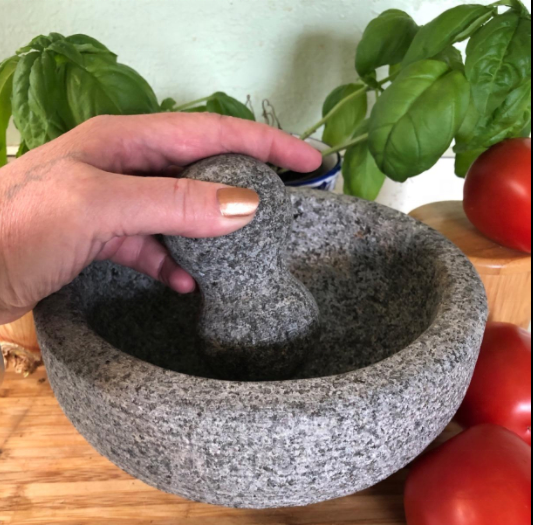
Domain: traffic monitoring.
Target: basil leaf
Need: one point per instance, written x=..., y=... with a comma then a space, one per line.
x=23, y=149
x=470, y=124
x=68, y=51
x=465, y=160
x=87, y=44
x=511, y=120
x=508, y=121
x=40, y=43
x=394, y=71
x=526, y=131
x=105, y=88
x=453, y=57
x=362, y=129
x=518, y=6
x=46, y=99
x=168, y=105
x=223, y=104
x=414, y=122
x=499, y=60
x=341, y=126
x=32, y=125
x=7, y=72
x=385, y=42
x=465, y=155
x=362, y=177
x=455, y=25
x=39, y=106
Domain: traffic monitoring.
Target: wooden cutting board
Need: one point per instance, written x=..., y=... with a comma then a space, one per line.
x=49, y=475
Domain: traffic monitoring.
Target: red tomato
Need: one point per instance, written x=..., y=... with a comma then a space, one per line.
x=482, y=477
x=498, y=194
x=501, y=389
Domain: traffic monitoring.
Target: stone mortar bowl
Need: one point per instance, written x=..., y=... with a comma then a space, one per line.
x=403, y=314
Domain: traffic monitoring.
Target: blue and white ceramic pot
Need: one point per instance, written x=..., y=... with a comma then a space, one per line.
x=324, y=178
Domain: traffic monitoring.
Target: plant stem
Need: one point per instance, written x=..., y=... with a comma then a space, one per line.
x=346, y=145
x=338, y=107
x=333, y=112
x=192, y=104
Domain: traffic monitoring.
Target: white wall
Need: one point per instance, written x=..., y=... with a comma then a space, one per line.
x=293, y=52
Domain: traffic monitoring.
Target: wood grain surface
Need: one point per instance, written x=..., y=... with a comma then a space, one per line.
x=49, y=475
x=20, y=347
x=21, y=332
x=506, y=273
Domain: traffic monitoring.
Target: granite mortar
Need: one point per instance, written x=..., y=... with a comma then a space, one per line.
x=403, y=314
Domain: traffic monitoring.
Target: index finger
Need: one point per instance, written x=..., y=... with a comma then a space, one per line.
x=152, y=143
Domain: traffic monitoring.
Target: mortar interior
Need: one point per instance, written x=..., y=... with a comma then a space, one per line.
x=377, y=292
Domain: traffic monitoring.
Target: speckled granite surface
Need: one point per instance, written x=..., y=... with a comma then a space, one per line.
x=403, y=314
x=257, y=322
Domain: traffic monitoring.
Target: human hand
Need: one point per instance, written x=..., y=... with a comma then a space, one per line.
x=75, y=200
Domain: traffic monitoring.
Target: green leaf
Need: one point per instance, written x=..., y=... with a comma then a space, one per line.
x=31, y=124
x=47, y=99
x=40, y=43
x=62, y=82
x=341, y=126
x=511, y=120
x=455, y=25
x=362, y=129
x=362, y=177
x=23, y=149
x=168, y=105
x=385, y=42
x=470, y=124
x=395, y=70
x=39, y=106
x=508, y=121
x=517, y=5
x=223, y=104
x=68, y=51
x=105, y=88
x=464, y=161
x=453, y=57
x=498, y=60
x=414, y=122
x=88, y=45
x=526, y=131
x=465, y=154
x=7, y=72
x=521, y=8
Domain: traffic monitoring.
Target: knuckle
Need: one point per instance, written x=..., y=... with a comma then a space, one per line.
x=180, y=190
x=84, y=186
x=182, y=198
x=98, y=122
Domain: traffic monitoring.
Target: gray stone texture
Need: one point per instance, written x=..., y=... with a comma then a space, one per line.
x=402, y=318
x=257, y=322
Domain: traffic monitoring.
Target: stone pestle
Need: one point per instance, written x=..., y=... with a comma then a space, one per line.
x=258, y=322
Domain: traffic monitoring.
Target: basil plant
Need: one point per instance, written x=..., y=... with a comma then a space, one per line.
x=432, y=97
x=55, y=83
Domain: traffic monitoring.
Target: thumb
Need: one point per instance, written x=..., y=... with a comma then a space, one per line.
x=130, y=206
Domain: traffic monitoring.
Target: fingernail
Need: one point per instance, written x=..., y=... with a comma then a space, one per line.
x=238, y=202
